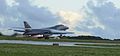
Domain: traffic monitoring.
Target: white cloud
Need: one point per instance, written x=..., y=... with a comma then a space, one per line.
x=2, y=20
x=84, y=33
x=6, y=32
x=11, y=3
x=107, y=15
x=57, y=5
x=70, y=18
x=116, y=3
x=96, y=24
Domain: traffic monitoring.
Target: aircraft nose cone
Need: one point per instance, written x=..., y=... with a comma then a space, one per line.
x=67, y=27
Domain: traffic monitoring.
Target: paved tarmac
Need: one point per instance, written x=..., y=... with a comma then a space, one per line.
x=60, y=43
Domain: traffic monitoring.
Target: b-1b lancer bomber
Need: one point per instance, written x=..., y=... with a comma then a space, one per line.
x=46, y=32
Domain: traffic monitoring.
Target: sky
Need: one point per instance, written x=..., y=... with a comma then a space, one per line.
x=84, y=17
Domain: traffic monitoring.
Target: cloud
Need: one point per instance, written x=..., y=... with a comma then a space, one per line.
x=107, y=16
x=84, y=33
x=11, y=3
x=96, y=24
x=81, y=22
x=70, y=18
x=1, y=21
x=116, y=3
x=21, y=10
x=6, y=32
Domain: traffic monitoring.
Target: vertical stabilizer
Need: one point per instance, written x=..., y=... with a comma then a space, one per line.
x=27, y=26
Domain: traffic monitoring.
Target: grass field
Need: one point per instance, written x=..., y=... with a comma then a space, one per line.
x=57, y=40
x=35, y=50
x=102, y=45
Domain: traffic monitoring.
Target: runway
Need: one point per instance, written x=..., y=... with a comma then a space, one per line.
x=60, y=43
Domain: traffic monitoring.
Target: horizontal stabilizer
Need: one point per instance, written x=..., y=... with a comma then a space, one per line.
x=19, y=30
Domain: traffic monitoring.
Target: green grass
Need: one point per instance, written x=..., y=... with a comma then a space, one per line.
x=36, y=50
x=102, y=45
